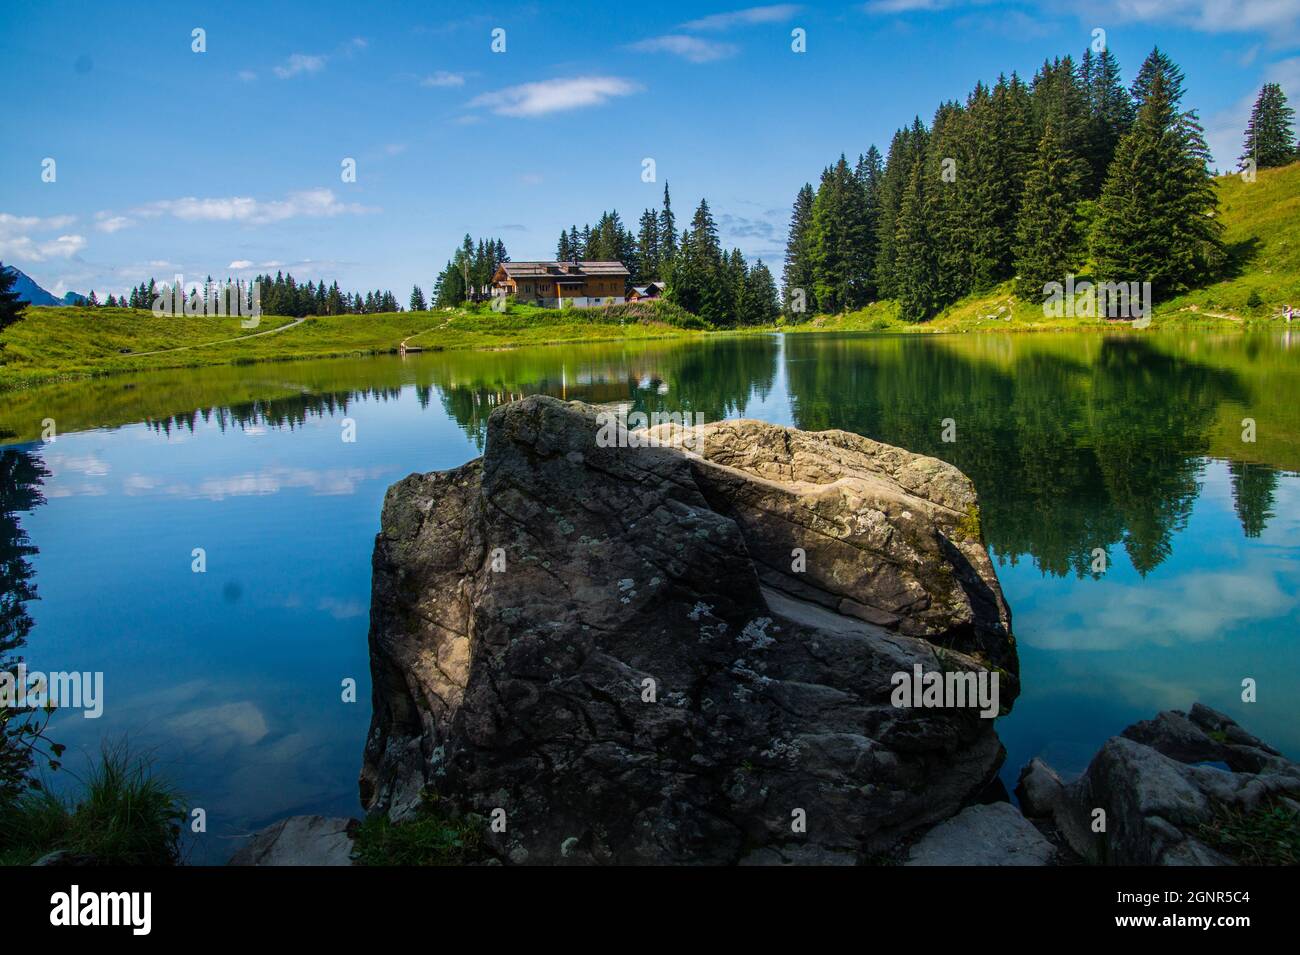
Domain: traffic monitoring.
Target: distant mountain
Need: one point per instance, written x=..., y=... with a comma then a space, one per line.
x=29, y=291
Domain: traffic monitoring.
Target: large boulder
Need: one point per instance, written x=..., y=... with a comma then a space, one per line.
x=1155, y=793
x=685, y=651
x=299, y=840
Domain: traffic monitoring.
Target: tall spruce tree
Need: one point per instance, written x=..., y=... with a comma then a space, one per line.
x=1048, y=238
x=1270, y=139
x=915, y=264
x=839, y=241
x=761, y=304
x=418, y=303
x=667, y=230
x=1110, y=114
x=1156, y=217
x=648, y=246
x=798, y=272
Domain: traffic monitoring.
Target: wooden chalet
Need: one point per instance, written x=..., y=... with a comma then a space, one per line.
x=562, y=284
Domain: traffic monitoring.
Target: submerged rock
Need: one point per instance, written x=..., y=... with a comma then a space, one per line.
x=1149, y=795
x=681, y=653
x=300, y=840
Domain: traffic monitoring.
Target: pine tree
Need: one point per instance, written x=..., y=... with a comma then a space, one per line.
x=1110, y=115
x=648, y=242
x=11, y=309
x=1048, y=240
x=418, y=303
x=762, y=307
x=914, y=265
x=869, y=172
x=1156, y=217
x=667, y=230
x=798, y=272
x=838, y=241
x=1270, y=140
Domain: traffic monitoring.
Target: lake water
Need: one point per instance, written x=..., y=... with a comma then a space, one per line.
x=1128, y=447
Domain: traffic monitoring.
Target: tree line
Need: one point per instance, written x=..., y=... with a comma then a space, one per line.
x=1030, y=181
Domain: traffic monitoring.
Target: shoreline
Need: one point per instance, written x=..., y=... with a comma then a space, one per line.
x=18, y=379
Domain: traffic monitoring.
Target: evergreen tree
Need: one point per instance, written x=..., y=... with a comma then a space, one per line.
x=1156, y=218
x=798, y=272
x=11, y=309
x=1270, y=140
x=838, y=240
x=1110, y=115
x=418, y=303
x=762, y=307
x=1002, y=148
x=915, y=264
x=869, y=172
x=648, y=243
x=1048, y=240
x=667, y=230
x=562, y=251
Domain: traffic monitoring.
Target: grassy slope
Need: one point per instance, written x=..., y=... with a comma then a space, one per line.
x=54, y=343
x=1262, y=233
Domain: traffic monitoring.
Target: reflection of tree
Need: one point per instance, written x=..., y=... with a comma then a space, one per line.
x=290, y=411
x=21, y=476
x=1070, y=451
x=716, y=378
x=1252, y=495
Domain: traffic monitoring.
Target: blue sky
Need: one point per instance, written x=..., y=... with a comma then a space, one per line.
x=229, y=161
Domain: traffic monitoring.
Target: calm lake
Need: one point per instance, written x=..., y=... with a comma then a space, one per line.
x=1121, y=452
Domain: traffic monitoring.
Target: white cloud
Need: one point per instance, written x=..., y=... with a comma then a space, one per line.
x=247, y=75
x=775, y=13
x=690, y=48
x=553, y=96
x=17, y=240
x=300, y=63
x=240, y=264
x=111, y=224
x=311, y=203
x=1211, y=16
x=443, y=78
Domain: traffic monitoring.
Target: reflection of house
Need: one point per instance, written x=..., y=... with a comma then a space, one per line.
x=562, y=284
x=640, y=293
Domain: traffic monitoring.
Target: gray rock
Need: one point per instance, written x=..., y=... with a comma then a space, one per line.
x=525, y=688
x=299, y=840
x=1154, y=795
x=995, y=834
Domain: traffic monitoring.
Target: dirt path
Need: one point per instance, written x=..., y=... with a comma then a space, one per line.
x=239, y=338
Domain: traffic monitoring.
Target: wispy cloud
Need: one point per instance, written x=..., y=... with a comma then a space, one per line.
x=552, y=96
x=300, y=63
x=18, y=239
x=773, y=13
x=692, y=48
x=107, y=222
x=310, y=203
x=1209, y=16
x=443, y=78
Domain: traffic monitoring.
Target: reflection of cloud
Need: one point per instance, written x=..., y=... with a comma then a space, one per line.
x=88, y=464
x=219, y=727
x=333, y=481
x=341, y=609
x=1193, y=607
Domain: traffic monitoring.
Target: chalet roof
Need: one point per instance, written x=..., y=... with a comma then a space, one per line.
x=529, y=270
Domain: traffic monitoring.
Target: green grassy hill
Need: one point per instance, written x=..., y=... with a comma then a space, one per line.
x=1261, y=231
x=53, y=343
